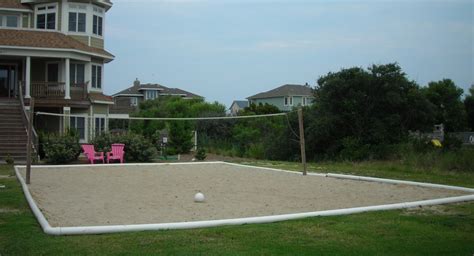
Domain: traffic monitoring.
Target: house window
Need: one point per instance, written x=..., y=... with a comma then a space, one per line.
x=97, y=21
x=79, y=124
x=97, y=25
x=305, y=101
x=96, y=76
x=46, y=17
x=9, y=21
x=77, y=22
x=76, y=72
x=288, y=101
x=99, y=125
x=150, y=95
x=133, y=101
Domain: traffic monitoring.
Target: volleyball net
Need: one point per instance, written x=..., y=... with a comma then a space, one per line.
x=272, y=136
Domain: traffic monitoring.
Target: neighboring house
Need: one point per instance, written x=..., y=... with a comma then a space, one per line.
x=285, y=97
x=55, y=51
x=127, y=101
x=237, y=106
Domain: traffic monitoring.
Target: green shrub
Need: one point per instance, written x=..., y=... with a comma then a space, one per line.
x=200, y=154
x=61, y=149
x=255, y=151
x=9, y=160
x=451, y=143
x=137, y=148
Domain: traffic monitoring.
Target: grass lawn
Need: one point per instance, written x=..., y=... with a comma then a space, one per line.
x=438, y=230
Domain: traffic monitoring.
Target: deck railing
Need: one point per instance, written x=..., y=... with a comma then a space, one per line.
x=57, y=90
x=26, y=120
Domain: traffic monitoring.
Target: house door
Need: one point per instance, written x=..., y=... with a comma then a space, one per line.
x=7, y=80
x=52, y=72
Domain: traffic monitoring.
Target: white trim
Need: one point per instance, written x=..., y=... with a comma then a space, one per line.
x=174, y=94
x=103, y=102
x=121, y=116
x=237, y=221
x=151, y=89
x=15, y=10
x=56, y=49
x=136, y=95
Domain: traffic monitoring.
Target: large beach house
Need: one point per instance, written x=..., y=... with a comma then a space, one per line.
x=285, y=97
x=54, y=51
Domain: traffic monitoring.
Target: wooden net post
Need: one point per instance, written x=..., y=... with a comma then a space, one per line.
x=302, y=142
x=29, y=143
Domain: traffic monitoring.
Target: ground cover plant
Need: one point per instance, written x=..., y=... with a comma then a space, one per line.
x=439, y=230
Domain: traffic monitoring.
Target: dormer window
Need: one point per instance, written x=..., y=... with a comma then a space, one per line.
x=46, y=17
x=150, y=95
x=133, y=101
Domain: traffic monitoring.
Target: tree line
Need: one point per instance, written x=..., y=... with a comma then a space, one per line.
x=357, y=114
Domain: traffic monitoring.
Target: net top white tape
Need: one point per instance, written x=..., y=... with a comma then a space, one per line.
x=166, y=118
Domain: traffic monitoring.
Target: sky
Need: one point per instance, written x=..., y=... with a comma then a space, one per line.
x=228, y=50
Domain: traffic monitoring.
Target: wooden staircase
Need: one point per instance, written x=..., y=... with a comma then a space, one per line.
x=13, y=133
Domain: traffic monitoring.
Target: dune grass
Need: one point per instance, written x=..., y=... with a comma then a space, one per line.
x=438, y=230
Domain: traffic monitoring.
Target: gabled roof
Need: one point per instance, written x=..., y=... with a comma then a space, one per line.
x=240, y=103
x=285, y=90
x=137, y=89
x=13, y=4
x=47, y=40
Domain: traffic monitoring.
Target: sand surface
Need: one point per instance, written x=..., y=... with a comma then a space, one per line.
x=90, y=196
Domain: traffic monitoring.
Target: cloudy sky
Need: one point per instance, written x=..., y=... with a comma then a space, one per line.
x=231, y=49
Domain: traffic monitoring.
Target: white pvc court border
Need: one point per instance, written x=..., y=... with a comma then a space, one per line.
x=238, y=221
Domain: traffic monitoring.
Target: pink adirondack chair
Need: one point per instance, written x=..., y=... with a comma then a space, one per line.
x=91, y=155
x=117, y=153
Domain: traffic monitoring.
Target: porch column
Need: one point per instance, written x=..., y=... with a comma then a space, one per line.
x=27, y=77
x=66, y=119
x=67, y=80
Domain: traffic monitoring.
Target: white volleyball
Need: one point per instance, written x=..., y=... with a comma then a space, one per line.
x=199, y=198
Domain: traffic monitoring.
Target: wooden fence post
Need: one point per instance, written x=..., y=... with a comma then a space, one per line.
x=302, y=142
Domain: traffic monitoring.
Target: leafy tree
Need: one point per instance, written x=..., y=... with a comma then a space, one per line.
x=469, y=105
x=449, y=108
x=180, y=132
x=260, y=109
x=365, y=110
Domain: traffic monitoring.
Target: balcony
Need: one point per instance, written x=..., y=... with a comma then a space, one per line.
x=57, y=90
x=53, y=94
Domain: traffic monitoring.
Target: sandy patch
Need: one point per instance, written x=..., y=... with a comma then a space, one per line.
x=90, y=196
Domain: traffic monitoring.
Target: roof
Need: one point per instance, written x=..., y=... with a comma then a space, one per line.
x=163, y=90
x=47, y=40
x=285, y=90
x=95, y=96
x=240, y=103
x=13, y=4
